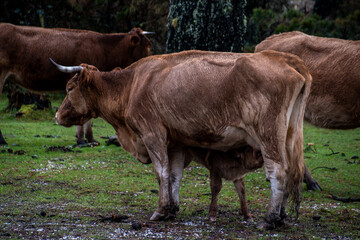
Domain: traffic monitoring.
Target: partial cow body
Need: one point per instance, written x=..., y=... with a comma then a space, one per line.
x=212, y=100
x=232, y=166
x=25, y=52
x=334, y=64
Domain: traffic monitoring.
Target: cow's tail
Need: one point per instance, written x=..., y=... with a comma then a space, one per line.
x=294, y=137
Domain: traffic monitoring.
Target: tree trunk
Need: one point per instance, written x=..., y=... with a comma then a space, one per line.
x=206, y=25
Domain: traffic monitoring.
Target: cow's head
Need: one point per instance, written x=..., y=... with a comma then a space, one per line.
x=74, y=110
x=140, y=43
x=251, y=158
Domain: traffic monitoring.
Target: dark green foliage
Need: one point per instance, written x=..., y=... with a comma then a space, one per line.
x=265, y=22
x=206, y=25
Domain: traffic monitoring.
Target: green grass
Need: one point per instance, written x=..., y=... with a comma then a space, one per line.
x=75, y=188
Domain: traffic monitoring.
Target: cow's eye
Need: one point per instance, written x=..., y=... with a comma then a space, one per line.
x=69, y=89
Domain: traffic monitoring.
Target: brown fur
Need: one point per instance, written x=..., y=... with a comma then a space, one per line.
x=232, y=166
x=219, y=101
x=25, y=52
x=334, y=64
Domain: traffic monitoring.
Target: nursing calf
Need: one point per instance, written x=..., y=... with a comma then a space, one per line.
x=213, y=100
x=232, y=166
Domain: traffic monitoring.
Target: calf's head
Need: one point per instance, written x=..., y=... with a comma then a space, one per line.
x=74, y=110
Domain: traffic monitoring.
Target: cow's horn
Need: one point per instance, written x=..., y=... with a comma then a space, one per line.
x=66, y=69
x=147, y=33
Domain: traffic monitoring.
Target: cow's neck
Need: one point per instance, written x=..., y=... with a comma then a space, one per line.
x=111, y=96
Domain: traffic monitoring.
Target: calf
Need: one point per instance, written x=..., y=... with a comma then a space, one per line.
x=232, y=166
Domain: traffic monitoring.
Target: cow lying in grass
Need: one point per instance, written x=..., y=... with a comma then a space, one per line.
x=232, y=166
x=213, y=100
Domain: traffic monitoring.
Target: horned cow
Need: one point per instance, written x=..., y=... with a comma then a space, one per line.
x=213, y=100
x=25, y=52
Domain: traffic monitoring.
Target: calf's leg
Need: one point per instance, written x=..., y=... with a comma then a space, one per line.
x=215, y=186
x=240, y=189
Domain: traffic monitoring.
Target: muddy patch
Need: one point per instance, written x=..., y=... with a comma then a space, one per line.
x=59, y=149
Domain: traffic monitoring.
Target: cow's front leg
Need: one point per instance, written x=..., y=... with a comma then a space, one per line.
x=80, y=135
x=89, y=134
x=159, y=157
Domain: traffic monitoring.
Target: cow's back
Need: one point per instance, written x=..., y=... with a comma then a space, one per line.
x=25, y=52
x=334, y=64
x=206, y=95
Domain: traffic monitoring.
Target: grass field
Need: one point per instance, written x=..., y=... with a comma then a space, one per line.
x=50, y=189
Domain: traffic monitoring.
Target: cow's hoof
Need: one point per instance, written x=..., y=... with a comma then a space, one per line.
x=212, y=219
x=94, y=143
x=266, y=226
x=157, y=216
x=248, y=219
x=313, y=186
x=81, y=142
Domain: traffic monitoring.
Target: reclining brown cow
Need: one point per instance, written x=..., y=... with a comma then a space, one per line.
x=25, y=52
x=212, y=100
x=334, y=64
x=231, y=165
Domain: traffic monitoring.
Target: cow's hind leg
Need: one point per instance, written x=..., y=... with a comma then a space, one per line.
x=276, y=209
x=177, y=160
x=311, y=183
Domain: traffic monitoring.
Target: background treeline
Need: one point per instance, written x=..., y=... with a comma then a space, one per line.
x=330, y=18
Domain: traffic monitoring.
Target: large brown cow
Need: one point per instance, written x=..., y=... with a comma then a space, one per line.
x=25, y=52
x=334, y=64
x=212, y=100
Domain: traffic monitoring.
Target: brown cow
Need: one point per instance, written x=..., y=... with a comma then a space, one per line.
x=334, y=64
x=213, y=100
x=25, y=52
x=231, y=165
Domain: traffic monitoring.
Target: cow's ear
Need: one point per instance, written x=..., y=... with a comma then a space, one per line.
x=134, y=40
x=86, y=74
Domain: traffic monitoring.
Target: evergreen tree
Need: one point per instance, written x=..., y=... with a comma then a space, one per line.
x=206, y=25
